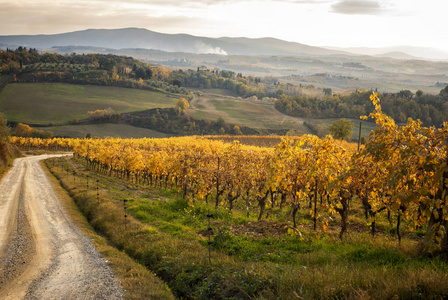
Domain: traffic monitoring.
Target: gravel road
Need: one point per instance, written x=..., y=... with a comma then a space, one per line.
x=42, y=254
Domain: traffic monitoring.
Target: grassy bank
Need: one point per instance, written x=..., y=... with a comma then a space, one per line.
x=249, y=259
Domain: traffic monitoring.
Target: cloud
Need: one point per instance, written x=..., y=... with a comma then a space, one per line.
x=359, y=7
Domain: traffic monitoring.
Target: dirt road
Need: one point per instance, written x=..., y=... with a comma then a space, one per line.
x=42, y=254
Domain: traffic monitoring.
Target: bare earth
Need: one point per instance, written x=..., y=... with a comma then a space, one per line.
x=42, y=254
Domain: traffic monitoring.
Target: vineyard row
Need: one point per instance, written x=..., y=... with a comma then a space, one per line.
x=402, y=170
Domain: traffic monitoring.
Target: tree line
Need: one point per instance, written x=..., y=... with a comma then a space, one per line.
x=173, y=121
x=243, y=86
x=432, y=110
x=14, y=61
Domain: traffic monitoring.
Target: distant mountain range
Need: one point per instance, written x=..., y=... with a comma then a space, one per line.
x=127, y=38
x=146, y=39
x=398, y=52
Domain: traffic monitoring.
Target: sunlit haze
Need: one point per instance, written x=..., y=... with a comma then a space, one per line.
x=339, y=23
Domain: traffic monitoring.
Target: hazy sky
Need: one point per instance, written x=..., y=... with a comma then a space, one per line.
x=346, y=23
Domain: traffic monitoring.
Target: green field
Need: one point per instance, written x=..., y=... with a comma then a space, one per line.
x=104, y=131
x=43, y=103
x=39, y=103
x=260, y=114
x=255, y=114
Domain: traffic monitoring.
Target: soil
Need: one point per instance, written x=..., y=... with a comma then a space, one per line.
x=260, y=229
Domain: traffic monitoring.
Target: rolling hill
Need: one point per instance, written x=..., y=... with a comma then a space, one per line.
x=143, y=38
x=139, y=38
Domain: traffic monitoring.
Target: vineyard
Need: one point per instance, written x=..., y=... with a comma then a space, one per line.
x=399, y=172
x=217, y=217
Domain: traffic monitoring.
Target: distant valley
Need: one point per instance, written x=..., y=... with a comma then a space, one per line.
x=388, y=69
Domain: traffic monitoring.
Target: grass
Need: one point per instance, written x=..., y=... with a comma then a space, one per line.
x=105, y=130
x=137, y=282
x=169, y=236
x=3, y=80
x=258, y=114
x=247, y=113
x=255, y=114
x=39, y=103
x=43, y=103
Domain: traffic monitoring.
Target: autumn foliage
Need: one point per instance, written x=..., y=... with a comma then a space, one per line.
x=401, y=171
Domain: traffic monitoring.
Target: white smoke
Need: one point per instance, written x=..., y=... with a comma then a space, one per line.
x=203, y=48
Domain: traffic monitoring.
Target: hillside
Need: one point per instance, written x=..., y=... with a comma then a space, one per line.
x=405, y=52
x=143, y=38
x=139, y=38
x=45, y=103
x=50, y=89
x=385, y=69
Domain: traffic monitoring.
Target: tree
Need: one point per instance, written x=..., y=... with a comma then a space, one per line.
x=237, y=130
x=220, y=122
x=444, y=93
x=407, y=94
x=4, y=131
x=148, y=73
x=23, y=130
x=160, y=73
x=140, y=73
x=182, y=105
x=341, y=129
x=327, y=91
x=4, y=135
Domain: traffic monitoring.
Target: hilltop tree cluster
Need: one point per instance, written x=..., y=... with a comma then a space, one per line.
x=243, y=86
x=28, y=65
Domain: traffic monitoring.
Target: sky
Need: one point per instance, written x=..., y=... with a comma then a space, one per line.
x=338, y=23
